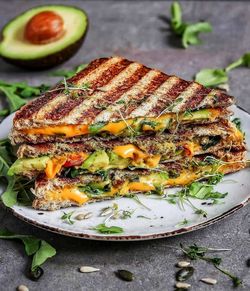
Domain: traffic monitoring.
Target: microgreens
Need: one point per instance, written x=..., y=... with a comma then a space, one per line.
x=103, y=228
x=195, y=252
x=67, y=217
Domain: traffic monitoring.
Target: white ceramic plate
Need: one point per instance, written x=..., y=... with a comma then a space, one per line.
x=164, y=219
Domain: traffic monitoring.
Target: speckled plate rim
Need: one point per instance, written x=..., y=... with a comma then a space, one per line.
x=135, y=237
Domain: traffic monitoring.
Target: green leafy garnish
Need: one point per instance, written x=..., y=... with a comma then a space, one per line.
x=195, y=252
x=103, y=228
x=68, y=73
x=189, y=32
x=4, y=112
x=17, y=93
x=67, y=217
x=40, y=249
x=237, y=123
x=183, y=222
x=215, y=77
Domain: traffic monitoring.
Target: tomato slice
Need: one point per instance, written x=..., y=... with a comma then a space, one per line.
x=75, y=160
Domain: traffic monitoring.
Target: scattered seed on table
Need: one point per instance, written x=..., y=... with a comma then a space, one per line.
x=183, y=264
x=87, y=269
x=182, y=285
x=184, y=274
x=125, y=275
x=209, y=281
x=22, y=288
x=82, y=216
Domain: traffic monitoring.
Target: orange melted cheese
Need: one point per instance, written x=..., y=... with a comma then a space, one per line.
x=54, y=166
x=111, y=127
x=68, y=193
x=191, y=148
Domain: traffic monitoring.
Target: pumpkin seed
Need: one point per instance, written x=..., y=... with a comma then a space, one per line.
x=183, y=264
x=184, y=274
x=22, y=288
x=210, y=281
x=87, y=269
x=181, y=285
x=125, y=275
x=82, y=216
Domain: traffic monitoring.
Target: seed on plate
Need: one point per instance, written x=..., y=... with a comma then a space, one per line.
x=82, y=216
x=22, y=288
x=182, y=285
x=87, y=269
x=182, y=264
x=184, y=274
x=125, y=275
x=210, y=281
x=106, y=211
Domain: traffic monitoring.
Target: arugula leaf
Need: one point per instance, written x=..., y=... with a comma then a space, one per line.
x=17, y=92
x=68, y=73
x=4, y=112
x=33, y=246
x=242, y=61
x=188, y=32
x=211, y=77
x=191, y=33
x=215, y=77
x=203, y=191
x=102, y=228
x=44, y=252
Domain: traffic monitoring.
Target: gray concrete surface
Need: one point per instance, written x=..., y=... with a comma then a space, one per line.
x=135, y=30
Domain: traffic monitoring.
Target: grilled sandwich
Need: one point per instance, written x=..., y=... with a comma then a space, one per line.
x=117, y=97
x=118, y=128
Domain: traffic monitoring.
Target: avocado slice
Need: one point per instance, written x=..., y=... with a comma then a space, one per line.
x=28, y=164
x=157, y=179
x=117, y=162
x=199, y=114
x=17, y=50
x=97, y=161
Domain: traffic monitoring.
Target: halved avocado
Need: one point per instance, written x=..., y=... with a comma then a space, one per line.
x=17, y=49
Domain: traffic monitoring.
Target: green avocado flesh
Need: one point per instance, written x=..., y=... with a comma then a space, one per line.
x=15, y=47
x=27, y=165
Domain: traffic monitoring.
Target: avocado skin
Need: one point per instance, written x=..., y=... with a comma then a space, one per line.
x=48, y=61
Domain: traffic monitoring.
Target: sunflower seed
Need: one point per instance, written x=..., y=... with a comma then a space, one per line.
x=183, y=264
x=87, y=269
x=82, y=216
x=22, y=288
x=210, y=281
x=182, y=285
x=106, y=211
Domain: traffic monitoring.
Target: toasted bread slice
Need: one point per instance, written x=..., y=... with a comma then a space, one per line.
x=111, y=90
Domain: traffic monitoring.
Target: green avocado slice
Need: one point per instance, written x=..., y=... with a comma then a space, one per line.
x=15, y=49
x=28, y=164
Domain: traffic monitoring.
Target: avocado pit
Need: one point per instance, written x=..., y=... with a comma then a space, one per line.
x=44, y=27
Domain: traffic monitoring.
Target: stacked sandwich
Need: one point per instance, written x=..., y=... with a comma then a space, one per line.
x=118, y=128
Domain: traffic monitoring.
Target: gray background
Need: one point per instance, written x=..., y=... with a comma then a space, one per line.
x=134, y=29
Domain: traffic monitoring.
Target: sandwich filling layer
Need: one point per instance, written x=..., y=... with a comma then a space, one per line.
x=134, y=126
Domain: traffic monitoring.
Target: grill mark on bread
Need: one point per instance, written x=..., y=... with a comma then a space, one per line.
x=65, y=108
x=112, y=96
x=32, y=114
x=193, y=103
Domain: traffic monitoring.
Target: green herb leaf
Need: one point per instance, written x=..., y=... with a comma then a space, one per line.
x=191, y=33
x=237, y=122
x=102, y=228
x=4, y=112
x=68, y=73
x=67, y=217
x=44, y=252
x=176, y=16
x=33, y=246
x=211, y=77
x=242, y=61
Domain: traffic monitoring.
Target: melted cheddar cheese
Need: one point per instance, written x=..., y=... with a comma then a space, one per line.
x=54, y=166
x=114, y=127
x=67, y=193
